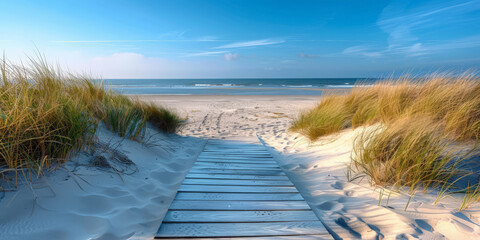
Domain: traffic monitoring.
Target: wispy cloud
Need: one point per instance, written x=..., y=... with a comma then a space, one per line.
x=135, y=41
x=418, y=49
x=206, y=53
x=208, y=39
x=262, y=42
x=415, y=49
x=362, y=51
x=403, y=25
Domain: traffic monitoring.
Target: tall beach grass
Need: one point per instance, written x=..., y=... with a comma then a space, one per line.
x=47, y=116
x=455, y=102
x=413, y=126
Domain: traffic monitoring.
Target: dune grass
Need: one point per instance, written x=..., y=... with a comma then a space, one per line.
x=406, y=152
x=47, y=116
x=414, y=124
x=453, y=101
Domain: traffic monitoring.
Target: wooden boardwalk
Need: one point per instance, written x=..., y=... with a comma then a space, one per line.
x=236, y=190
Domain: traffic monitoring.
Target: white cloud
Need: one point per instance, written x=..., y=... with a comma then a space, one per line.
x=206, y=53
x=403, y=24
x=135, y=41
x=134, y=65
x=230, y=56
x=262, y=42
x=362, y=50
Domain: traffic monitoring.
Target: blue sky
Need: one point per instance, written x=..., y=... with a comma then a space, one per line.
x=245, y=39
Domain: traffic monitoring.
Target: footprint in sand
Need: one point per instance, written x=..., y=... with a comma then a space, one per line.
x=338, y=185
x=330, y=206
x=350, y=193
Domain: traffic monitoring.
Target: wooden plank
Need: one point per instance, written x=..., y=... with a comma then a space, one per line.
x=240, y=151
x=208, y=149
x=243, y=151
x=239, y=196
x=237, y=161
x=259, y=149
x=238, y=205
x=235, y=176
x=240, y=229
x=219, y=148
x=238, y=171
x=239, y=216
x=296, y=237
x=244, y=154
x=236, y=157
x=237, y=182
x=196, y=167
x=235, y=153
x=240, y=165
x=234, y=189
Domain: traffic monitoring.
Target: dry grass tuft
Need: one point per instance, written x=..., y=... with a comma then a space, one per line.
x=406, y=152
x=418, y=120
x=46, y=116
x=454, y=102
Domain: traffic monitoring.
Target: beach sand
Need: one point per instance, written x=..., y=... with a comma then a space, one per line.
x=351, y=210
x=84, y=202
x=80, y=201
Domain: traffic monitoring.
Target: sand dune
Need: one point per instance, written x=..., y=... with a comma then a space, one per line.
x=83, y=202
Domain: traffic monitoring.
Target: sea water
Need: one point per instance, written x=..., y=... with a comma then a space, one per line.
x=225, y=86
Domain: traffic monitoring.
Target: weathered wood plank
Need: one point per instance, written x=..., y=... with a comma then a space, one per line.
x=235, y=146
x=233, y=168
x=245, y=149
x=235, y=189
x=240, y=229
x=237, y=161
x=238, y=152
x=237, y=182
x=239, y=196
x=245, y=154
x=238, y=205
x=235, y=176
x=238, y=171
x=208, y=149
x=240, y=165
x=296, y=237
x=237, y=157
x=219, y=148
x=238, y=216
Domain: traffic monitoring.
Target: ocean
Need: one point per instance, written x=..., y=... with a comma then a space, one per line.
x=250, y=86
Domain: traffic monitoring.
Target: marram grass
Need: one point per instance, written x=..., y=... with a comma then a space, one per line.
x=406, y=152
x=413, y=125
x=454, y=102
x=46, y=116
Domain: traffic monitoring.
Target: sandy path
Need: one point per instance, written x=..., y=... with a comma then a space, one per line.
x=227, y=116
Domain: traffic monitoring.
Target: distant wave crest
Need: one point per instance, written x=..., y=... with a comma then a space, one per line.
x=217, y=85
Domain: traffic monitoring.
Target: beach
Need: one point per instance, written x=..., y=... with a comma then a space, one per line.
x=239, y=120
x=224, y=116
x=350, y=209
x=99, y=203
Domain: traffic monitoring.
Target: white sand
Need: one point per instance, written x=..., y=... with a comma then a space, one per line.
x=82, y=202
x=112, y=206
x=318, y=170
